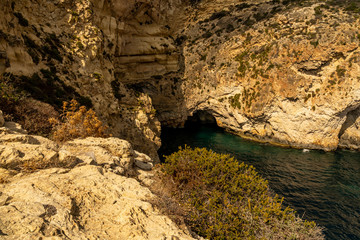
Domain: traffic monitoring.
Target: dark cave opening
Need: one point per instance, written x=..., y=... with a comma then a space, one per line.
x=201, y=117
x=199, y=120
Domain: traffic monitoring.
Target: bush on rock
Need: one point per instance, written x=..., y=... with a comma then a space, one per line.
x=225, y=199
x=76, y=122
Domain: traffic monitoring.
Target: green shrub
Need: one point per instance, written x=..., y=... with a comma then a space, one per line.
x=234, y=101
x=353, y=7
x=318, y=10
x=203, y=57
x=315, y=43
x=80, y=45
x=224, y=199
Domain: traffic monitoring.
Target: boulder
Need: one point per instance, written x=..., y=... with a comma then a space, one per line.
x=143, y=161
x=112, y=153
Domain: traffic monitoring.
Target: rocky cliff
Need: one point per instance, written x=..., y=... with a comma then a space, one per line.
x=284, y=72
x=91, y=51
x=279, y=72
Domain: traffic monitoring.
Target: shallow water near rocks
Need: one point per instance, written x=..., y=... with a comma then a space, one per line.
x=320, y=186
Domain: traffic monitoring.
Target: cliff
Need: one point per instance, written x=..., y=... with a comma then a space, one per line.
x=284, y=72
x=58, y=50
x=279, y=72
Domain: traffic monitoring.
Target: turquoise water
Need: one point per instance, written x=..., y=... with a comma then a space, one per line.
x=320, y=186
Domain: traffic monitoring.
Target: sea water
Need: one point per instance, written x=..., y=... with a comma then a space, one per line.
x=321, y=186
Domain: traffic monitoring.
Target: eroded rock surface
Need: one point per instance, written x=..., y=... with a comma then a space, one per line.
x=84, y=202
x=59, y=50
x=80, y=190
x=284, y=72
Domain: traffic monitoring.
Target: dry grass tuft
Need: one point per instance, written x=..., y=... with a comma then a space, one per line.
x=165, y=201
x=76, y=122
x=33, y=165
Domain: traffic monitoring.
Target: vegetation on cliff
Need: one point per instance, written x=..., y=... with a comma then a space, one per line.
x=221, y=198
x=17, y=106
x=76, y=122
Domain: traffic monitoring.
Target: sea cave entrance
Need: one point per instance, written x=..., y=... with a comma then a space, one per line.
x=201, y=117
x=201, y=121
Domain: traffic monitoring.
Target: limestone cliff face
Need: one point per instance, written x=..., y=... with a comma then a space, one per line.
x=285, y=74
x=91, y=51
x=274, y=71
x=279, y=74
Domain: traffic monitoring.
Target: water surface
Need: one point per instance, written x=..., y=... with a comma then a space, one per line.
x=320, y=186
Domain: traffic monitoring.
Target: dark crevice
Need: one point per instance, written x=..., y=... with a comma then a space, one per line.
x=75, y=212
x=141, y=55
x=293, y=99
x=312, y=72
x=338, y=55
x=2, y=233
x=351, y=118
x=201, y=117
x=316, y=71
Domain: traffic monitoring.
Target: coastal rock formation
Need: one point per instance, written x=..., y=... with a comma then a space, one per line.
x=281, y=75
x=80, y=190
x=350, y=131
x=284, y=72
x=279, y=71
x=59, y=50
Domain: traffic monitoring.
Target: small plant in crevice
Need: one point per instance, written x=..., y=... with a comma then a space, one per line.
x=340, y=71
x=234, y=101
x=244, y=64
x=97, y=76
x=76, y=122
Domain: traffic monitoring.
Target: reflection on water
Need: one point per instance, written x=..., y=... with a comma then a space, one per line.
x=323, y=187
